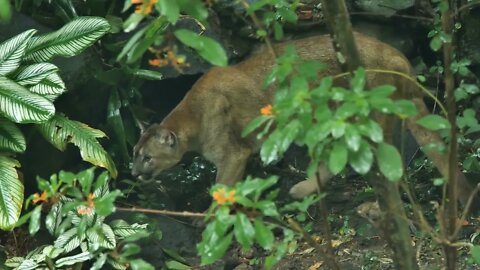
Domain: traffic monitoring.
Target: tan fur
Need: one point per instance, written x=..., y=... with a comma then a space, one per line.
x=211, y=117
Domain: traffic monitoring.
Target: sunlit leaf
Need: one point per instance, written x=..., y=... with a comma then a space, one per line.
x=433, y=122
x=207, y=48
x=11, y=193
x=338, y=158
x=389, y=162
x=12, y=51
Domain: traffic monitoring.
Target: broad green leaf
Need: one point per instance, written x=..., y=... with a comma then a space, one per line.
x=361, y=161
x=71, y=260
x=33, y=74
x=102, y=236
x=70, y=40
x=34, y=224
x=372, y=129
x=115, y=124
x=389, y=162
x=139, y=264
x=69, y=240
x=263, y=235
x=130, y=249
x=244, y=231
x=208, y=48
x=352, y=137
x=338, y=158
x=475, y=251
x=11, y=137
x=148, y=74
x=254, y=124
x=14, y=261
x=104, y=206
x=21, y=106
x=174, y=265
x=49, y=87
x=436, y=43
x=122, y=229
x=433, y=122
x=5, y=10
x=11, y=193
x=12, y=50
x=382, y=91
x=117, y=265
x=194, y=8
x=270, y=149
x=215, y=252
x=405, y=108
x=358, y=81
x=28, y=264
x=99, y=262
x=60, y=130
x=170, y=9
x=54, y=219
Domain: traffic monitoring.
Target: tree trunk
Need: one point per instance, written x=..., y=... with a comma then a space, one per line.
x=394, y=221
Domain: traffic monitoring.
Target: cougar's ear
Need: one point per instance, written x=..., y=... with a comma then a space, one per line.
x=166, y=137
x=143, y=125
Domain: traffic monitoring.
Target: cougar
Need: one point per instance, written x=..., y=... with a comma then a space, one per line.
x=210, y=118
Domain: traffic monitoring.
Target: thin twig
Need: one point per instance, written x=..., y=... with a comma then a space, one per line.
x=465, y=211
x=161, y=212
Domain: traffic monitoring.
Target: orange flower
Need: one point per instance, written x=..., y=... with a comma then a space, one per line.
x=144, y=8
x=222, y=197
x=40, y=198
x=267, y=110
x=89, y=209
x=154, y=62
x=83, y=210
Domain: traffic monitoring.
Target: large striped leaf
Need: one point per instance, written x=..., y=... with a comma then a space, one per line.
x=11, y=138
x=21, y=106
x=49, y=87
x=69, y=240
x=33, y=74
x=11, y=193
x=12, y=50
x=68, y=41
x=60, y=130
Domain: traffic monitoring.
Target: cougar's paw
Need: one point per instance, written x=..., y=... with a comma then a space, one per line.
x=303, y=189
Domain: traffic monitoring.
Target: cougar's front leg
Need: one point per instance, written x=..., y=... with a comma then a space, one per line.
x=309, y=186
x=231, y=166
x=440, y=160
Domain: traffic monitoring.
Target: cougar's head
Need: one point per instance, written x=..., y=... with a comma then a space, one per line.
x=157, y=150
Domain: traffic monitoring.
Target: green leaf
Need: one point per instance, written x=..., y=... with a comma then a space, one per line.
x=34, y=224
x=174, y=265
x=217, y=250
x=131, y=42
x=254, y=124
x=139, y=264
x=11, y=193
x=433, y=122
x=54, y=219
x=263, y=235
x=436, y=43
x=60, y=130
x=352, y=137
x=50, y=87
x=207, y=48
x=382, y=91
x=244, y=231
x=358, y=81
x=389, y=162
x=170, y=9
x=361, y=161
x=123, y=230
x=148, y=74
x=71, y=260
x=405, y=108
x=102, y=236
x=475, y=250
x=69, y=240
x=372, y=129
x=33, y=74
x=104, y=206
x=12, y=51
x=338, y=158
x=21, y=106
x=70, y=40
x=5, y=10
x=11, y=137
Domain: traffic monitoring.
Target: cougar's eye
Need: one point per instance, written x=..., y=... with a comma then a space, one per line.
x=147, y=158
